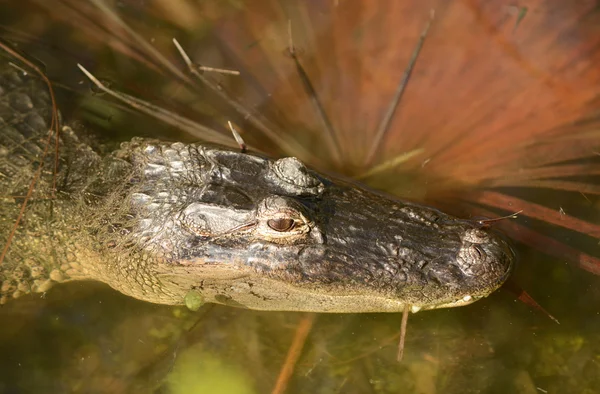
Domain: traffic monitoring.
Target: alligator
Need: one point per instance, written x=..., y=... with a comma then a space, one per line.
x=159, y=221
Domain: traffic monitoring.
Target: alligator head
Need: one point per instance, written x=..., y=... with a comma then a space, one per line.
x=245, y=230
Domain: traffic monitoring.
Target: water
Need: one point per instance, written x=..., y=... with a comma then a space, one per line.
x=91, y=339
x=485, y=79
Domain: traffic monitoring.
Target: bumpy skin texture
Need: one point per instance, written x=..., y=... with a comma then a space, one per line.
x=156, y=220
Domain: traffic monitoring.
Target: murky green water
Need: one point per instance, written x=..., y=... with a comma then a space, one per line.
x=86, y=338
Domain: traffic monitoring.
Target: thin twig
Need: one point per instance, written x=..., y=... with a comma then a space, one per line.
x=158, y=112
x=512, y=286
x=390, y=164
x=405, y=312
x=145, y=45
x=53, y=130
x=294, y=352
x=288, y=146
x=218, y=70
x=332, y=139
x=56, y=140
x=387, y=118
x=238, y=137
x=488, y=221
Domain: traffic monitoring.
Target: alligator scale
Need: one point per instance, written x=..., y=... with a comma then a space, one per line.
x=158, y=220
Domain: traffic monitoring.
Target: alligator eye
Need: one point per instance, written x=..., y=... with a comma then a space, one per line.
x=282, y=225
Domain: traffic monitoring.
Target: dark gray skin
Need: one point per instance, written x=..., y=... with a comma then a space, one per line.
x=159, y=221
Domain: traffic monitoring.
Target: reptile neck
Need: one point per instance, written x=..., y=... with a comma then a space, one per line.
x=45, y=241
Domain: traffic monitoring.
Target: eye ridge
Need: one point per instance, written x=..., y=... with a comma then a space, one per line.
x=281, y=224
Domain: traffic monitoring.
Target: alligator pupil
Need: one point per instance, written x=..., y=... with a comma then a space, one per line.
x=281, y=224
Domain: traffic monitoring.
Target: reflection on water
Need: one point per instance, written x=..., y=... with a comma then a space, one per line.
x=86, y=338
